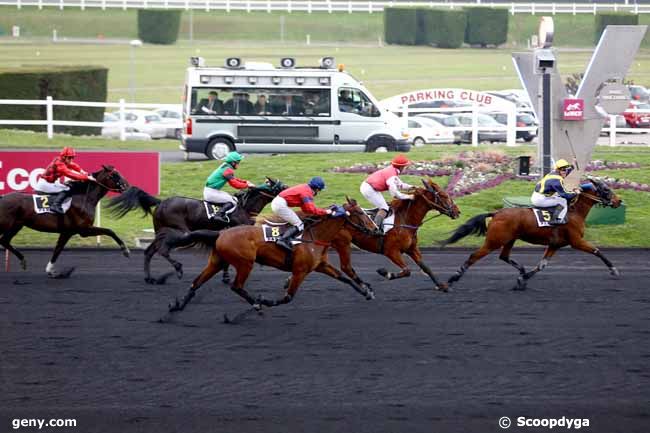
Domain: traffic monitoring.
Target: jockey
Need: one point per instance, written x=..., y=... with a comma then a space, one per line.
x=52, y=181
x=550, y=191
x=225, y=173
x=297, y=196
x=386, y=179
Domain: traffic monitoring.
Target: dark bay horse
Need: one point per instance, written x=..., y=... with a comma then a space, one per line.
x=176, y=215
x=17, y=211
x=510, y=224
x=402, y=238
x=242, y=246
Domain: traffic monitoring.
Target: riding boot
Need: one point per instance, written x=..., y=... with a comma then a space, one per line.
x=221, y=216
x=379, y=219
x=556, y=221
x=56, y=202
x=285, y=240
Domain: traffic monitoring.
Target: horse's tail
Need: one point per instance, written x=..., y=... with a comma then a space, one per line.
x=474, y=226
x=131, y=199
x=201, y=237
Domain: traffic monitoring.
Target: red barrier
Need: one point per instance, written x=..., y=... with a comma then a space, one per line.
x=19, y=170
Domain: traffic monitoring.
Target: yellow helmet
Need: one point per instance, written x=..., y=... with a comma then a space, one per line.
x=562, y=163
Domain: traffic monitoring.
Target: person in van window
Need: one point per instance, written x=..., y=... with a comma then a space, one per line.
x=315, y=105
x=234, y=105
x=292, y=106
x=211, y=105
x=346, y=103
x=262, y=106
x=248, y=107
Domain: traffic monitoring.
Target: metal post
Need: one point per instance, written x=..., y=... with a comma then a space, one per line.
x=98, y=221
x=546, y=123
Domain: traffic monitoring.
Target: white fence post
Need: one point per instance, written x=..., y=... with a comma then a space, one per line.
x=122, y=123
x=49, y=113
x=474, y=125
x=98, y=221
x=612, y=130
x=511, y=124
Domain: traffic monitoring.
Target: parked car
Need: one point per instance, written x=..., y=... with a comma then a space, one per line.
x=460, y=136
x=145, y=121
x=173, y=118
x=636, y=118
x=438, y=104
x=620, y=123
x=491, y=130
x=517, y=96
x=523, y=120
x=112, y=130
x=422, y=130
x=639, y=94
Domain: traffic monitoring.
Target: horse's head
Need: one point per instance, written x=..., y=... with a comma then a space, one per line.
x=255, y=198
x=111, y=179
x=275, y=187
x=357, y=217
x=605, y=193
x=437, y=199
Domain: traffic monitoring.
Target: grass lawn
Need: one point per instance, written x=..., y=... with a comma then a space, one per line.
x=187, y=179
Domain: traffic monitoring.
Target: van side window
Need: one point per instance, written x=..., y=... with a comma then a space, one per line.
x=355, y=101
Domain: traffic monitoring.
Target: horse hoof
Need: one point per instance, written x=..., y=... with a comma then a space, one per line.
x=150, y=280
x=23, y=264
x=225, y=279
x=615, y=272
x=176, y=306
x=126, y=252
x=179, y=273
x=257, y=307
x=383, y=272
x=370, y=296
x=521, y=284
x=443, y=287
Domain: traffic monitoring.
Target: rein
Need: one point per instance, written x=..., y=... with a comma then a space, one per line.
x=593, y=198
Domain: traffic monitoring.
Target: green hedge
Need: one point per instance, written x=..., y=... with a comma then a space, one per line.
x=443, y=28
x=78, y=83
x=612, y=18
x=486, y=26
x=159, y=26
x=400, y=26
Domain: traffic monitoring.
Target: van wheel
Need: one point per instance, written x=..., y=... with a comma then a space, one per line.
x=219, y=148
x=418, y=142
x=380, y=144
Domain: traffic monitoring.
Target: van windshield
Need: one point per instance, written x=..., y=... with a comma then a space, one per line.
x=210, y=101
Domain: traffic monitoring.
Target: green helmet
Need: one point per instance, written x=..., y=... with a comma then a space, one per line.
x=233, y=157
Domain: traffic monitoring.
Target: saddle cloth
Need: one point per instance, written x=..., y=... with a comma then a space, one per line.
x=389, y=221
x=42, y=203
x=544, y=215
x=272, y=232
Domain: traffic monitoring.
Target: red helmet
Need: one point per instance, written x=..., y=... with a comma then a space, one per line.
x=68, y=151
x=400, y=161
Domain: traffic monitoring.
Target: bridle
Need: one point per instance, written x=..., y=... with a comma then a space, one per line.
x=111, y=173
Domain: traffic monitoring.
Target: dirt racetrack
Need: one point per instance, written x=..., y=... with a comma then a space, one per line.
x=575, y=344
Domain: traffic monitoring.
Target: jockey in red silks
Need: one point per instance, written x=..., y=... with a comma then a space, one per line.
x=386, y=179
x=297, y=196
x=52, y=181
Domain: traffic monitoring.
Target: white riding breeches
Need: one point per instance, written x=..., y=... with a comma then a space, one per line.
x=50, y=188
x=373, y=196
x=217, y=196
x=280, y=208
x=541, y=200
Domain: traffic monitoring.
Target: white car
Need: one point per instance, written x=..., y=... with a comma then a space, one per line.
x=112, y=129
x=173, y=117
x=145, y=121
x=422, y=130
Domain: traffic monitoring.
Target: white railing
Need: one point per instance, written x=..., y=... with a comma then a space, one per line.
x=613, y=130
x=330, y=6
x=50, y=122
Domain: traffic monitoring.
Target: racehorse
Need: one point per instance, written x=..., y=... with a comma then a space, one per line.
x=402, y=238
x=510, y=224
x=242, y=246
x=17, y=211
x=182, y=214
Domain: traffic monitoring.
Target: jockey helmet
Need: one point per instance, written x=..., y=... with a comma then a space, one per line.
x=400, y=161
x=68, y=152
x=317, y=183
x=233, y=157
x=562, y=164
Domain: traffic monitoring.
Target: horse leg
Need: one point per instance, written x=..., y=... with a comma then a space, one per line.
x=164, y=251
x=243, y=271
x=416, y=255
x=225, y=277
x=214, y=265
x=521, y=281
x=149, y=252
x=5, y=241
x=327, y=269
x=505, y=256
x=473, y=258
x=297, y=277
x=345, y=260
x=60, y=244
x=585, y=246
x=103, y=231
x=395, y=256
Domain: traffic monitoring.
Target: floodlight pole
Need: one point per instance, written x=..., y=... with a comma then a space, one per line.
x=546, y=122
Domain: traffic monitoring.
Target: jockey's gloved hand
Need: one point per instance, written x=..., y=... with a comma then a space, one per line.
x=92, y=178
x=250, y=184
x=337, y=211
x=586, y=186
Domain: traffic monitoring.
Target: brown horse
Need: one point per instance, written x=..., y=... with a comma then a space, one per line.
x=17, y=211
x=508, y=225
x=242, y=246
x=402, y=238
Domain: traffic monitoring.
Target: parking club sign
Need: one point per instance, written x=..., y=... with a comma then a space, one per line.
x=573, y=109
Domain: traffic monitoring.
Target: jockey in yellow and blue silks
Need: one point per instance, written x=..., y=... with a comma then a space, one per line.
x=550, y=191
